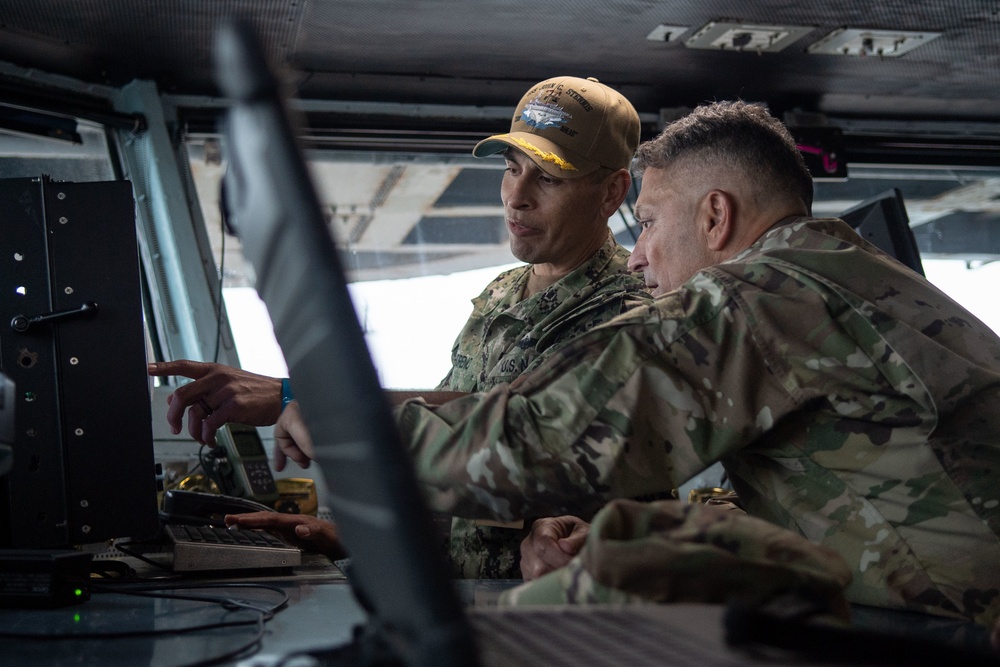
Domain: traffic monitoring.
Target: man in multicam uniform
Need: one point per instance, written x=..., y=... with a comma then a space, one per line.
x=849, y=399
x=568, y=153
x=570, y=144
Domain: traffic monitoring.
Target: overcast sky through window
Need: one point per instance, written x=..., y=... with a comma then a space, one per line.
x=411, y=324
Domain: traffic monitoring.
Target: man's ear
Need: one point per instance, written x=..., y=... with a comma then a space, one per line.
x=616, y=188
x=718, y=220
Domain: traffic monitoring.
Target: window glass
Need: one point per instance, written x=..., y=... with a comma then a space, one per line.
x=63, y=149
x=421, y=236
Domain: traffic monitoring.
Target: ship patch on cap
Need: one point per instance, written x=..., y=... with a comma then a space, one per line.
x=544, y=115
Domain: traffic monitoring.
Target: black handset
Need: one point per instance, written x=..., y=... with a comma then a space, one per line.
x=204, y=509
x=246, y=472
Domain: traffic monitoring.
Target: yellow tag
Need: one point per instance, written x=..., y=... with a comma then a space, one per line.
x=297, y=495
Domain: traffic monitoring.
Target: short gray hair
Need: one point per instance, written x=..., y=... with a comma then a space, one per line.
x=734, y=133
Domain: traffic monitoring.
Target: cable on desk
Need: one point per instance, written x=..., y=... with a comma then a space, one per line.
x=138, y=556
x=224, y=227
x=264, y=614
x=112, y=569
x=207, y=459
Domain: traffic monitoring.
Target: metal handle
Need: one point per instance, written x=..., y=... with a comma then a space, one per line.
x=22, y=323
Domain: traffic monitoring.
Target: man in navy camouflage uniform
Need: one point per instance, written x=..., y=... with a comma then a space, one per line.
x=568, y=153
x=570, y=145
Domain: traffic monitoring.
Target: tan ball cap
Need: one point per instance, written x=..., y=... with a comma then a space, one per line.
x=569, y=127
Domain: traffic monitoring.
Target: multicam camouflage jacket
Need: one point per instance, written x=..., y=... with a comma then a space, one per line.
x=848, y=399
x=672, y=551
x=503, y=337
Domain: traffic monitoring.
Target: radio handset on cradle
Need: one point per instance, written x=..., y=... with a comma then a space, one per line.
x=243, y=471
x=203, y=509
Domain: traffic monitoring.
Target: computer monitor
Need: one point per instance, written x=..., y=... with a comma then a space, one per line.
x=397, y=565
x=73, y=346
x=882, y=221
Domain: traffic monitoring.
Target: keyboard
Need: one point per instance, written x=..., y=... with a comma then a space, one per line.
x=214, y=548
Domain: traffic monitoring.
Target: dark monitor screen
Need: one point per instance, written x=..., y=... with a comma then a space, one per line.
x=882, y=221
x=397, y=567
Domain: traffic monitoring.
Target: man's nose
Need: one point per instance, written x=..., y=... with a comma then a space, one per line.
x=517, y=195
x=637, y=259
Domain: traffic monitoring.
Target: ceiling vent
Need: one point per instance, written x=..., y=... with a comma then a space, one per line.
x=667, y=33
x=719, y=36
x=876, y=43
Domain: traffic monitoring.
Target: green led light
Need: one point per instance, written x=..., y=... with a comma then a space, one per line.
x=76, y=618
x=78, y=592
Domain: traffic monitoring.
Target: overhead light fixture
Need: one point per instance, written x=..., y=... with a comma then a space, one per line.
x=667, y=33
x=721, y=36
x=877, y=43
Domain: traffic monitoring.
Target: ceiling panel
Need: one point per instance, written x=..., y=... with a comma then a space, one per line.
x=486, y=52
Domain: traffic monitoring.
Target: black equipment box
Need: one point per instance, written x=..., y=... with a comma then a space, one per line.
x=73, y=342
x=42, y=578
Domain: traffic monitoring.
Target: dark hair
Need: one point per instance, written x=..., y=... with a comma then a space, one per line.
x=733, y=133
x=599, y=175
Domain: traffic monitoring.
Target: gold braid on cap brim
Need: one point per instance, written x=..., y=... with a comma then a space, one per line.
x=545, y=155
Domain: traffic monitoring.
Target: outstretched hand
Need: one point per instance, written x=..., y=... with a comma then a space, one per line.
x=301, y=530
x=219, y=395
x=551, y=544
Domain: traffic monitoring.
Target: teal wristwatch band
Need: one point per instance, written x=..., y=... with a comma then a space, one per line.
x=286, y=393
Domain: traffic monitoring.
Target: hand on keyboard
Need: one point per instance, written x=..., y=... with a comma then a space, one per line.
x=302, y=530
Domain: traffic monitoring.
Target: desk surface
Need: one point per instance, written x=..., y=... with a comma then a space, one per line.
x=321, y=613
x=318, y=614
